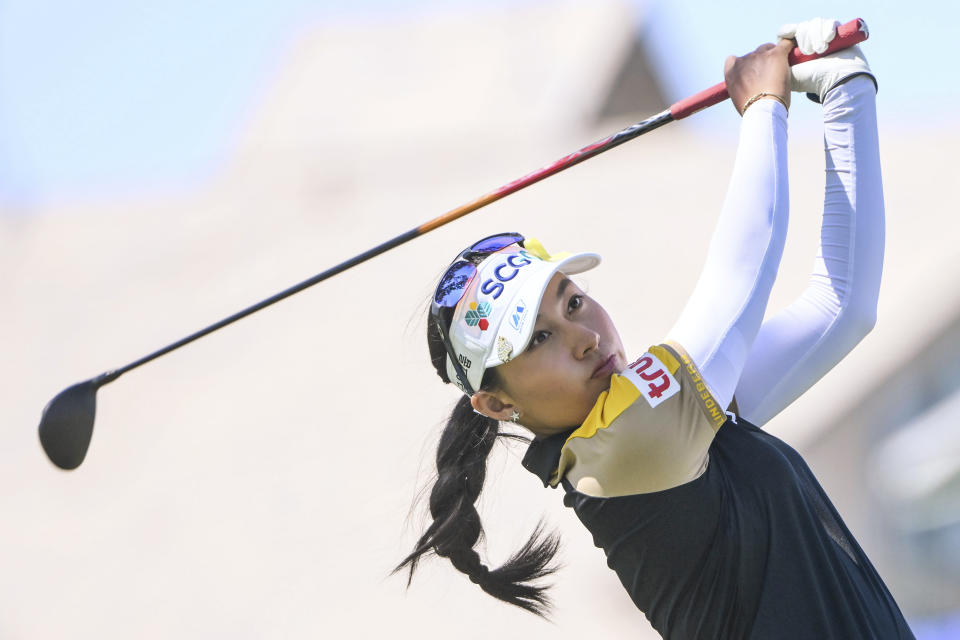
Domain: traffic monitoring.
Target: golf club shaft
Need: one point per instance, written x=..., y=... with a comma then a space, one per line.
x=848, y=35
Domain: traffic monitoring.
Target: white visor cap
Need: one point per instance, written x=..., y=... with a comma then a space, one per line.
x=494, y=321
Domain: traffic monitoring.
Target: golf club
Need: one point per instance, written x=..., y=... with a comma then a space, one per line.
x=66, y=424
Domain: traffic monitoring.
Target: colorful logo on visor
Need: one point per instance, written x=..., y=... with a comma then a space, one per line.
x=477, y=315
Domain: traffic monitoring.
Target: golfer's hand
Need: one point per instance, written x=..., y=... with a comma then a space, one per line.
x=762, y=71
x=816, y=77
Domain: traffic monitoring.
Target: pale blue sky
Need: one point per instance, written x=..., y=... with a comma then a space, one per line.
x=109, y=96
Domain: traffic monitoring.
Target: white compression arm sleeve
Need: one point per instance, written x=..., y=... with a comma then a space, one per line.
x=798, y=345
x=720, y=321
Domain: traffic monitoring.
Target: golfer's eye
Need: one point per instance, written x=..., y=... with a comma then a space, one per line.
x=575, y=302
x=539, y=337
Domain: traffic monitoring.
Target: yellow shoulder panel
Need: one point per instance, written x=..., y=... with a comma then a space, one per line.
x=610, y=404
x=713, y=412
x=666, y=358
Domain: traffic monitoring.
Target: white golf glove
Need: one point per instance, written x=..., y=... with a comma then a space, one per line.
x=816, y=77
x=812, y=36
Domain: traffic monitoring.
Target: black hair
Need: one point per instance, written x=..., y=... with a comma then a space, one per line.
x=462, y=453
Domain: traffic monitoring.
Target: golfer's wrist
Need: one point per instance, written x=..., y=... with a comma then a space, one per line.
x=762, y=95
x=765, y=111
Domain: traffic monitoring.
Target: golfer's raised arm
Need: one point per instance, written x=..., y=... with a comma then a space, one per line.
x=722, y=317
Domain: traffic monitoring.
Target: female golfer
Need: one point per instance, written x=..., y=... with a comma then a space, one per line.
x=715, y=528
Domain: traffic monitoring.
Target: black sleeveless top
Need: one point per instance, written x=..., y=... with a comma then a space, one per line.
x=752, y=548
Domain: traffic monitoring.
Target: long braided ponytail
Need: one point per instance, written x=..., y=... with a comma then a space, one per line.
x=462, y=453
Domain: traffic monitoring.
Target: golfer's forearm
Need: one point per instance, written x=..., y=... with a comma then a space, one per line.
x=721, y=318
x=847, y=272
x=797, y=346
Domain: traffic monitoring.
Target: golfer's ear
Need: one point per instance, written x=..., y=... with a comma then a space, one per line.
x=491, y=406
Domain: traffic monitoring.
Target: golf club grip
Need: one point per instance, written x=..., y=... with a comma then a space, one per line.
x=849, y=34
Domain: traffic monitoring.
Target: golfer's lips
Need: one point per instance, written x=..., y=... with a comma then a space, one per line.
x=605, y=368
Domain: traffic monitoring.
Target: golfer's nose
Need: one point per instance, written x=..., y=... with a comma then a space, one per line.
x=585, y=340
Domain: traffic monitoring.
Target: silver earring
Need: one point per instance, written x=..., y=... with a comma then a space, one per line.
x=514, y=416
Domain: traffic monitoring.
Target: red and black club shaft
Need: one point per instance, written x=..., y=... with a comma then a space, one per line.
x=66, y=424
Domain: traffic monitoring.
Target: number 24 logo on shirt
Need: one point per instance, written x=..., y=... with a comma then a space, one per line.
x=652, y=379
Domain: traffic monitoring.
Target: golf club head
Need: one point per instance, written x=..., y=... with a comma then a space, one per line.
x=66, y=424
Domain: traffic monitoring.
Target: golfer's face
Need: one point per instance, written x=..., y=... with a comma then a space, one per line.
x=573, y=351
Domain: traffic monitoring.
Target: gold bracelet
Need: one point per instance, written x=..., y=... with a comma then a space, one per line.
x=761, y=95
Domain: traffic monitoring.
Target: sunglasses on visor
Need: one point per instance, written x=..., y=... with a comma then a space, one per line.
x=452, y=287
